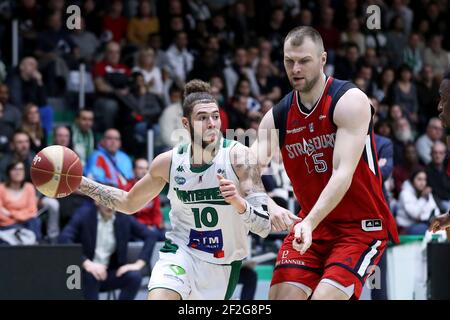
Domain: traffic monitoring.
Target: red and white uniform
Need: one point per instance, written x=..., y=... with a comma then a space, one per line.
x=354, y=234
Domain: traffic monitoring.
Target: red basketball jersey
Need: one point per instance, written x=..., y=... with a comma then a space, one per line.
x=307, y=140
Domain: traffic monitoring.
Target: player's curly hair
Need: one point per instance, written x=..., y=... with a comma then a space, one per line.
x=195, y=92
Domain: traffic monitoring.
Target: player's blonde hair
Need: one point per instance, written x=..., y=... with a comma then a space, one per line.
x=195, y=92
x=297, y=35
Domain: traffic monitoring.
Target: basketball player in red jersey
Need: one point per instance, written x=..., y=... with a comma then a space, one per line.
x=327, y=144
x=442, y=222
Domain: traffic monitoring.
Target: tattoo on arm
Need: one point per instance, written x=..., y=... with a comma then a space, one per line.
x=249, y=174
x=105, y=195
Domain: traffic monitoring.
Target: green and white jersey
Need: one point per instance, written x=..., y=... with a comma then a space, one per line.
x=202, y=222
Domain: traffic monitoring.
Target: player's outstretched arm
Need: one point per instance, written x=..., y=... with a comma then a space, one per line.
x=142, y=192
x=352, y=117
x=264, y=149
x=254, y=206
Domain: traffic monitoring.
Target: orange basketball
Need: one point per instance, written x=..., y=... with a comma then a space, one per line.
x=56, y=171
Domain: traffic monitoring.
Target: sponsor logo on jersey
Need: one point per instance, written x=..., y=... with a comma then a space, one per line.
x=372, y=225
x=322, y=116
x=210, y=195
x=179, y=271
x=221, y=171
x=311, y=127
x=180, y=168
x=207, y=241
x=180, y=180
x=295, y=130
x=310, y=146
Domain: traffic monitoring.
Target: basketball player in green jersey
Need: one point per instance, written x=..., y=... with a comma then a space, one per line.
x=216, y=198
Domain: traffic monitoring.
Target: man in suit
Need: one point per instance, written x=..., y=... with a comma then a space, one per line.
x=104, y=236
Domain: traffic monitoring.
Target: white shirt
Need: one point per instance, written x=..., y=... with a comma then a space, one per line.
x=105, y=244
x=154, y=76
x=181, y=62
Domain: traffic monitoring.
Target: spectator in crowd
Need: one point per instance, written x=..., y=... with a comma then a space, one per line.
x=104, y=236
x=435, y=56
x=428, y=94
x=28, y=14
x=330, y=34
x=353, y=34
x=385, y=85
x=86, y=41
x=434, y=133
x=237, y=70
x=405, y=93
x=180, y=59
x=412, y=54
x=402, y=171
x=152, y=73
x=243, y=89
x=6, y=132
x=416, y=205
x=145, y=108
x=61, y=136
x=170, y=120
x=399, y=9
x=26, y=85
x=31, y=124
x=267, y=83
x=396, y=41
x=19, y=151
x=83, y=135
x=140, y=27
x=108, y=164
x=403, y=135
x=346, y=67
x=438, y=179
x=114, y=23
x=56, y=53
x=11, y=114
x=161, y=59
x=18, y=202
x=111, y=83
x=150, y=215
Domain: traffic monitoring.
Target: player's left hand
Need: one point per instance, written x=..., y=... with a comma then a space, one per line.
x=138, y=265
x=302, y=236
x=441, y=222
x=231, y=194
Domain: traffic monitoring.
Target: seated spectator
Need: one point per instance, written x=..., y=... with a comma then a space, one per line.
x=152, y=73
x=428, y=94
x=150, y=215
x=61, y=136
x=434, y=133
x=82, y=134
x=11, y=114
x=405, y=93
x=31, y=124
x=416, y=205
x=170, y=120
x=104, y=236
x=238, y=69
x=18, y=202
x=26, y=85
x=180, y=59
x=403, y=134
x=56, y=53
x=438, y=179
x=108, y=164
x=86, y=41
x=402, y=171
x=346, y=67
x=435, y=56
x=353, y=34
x=6, y=132
x=19, y=151
x=111, y=83
x=114, y=23
x=269, y=87
x=140, y=27
x=243, y=89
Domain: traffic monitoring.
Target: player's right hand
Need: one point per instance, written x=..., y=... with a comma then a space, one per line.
x=302, y=236
x=96, y=269
x=441, y=222
x=282, y=219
